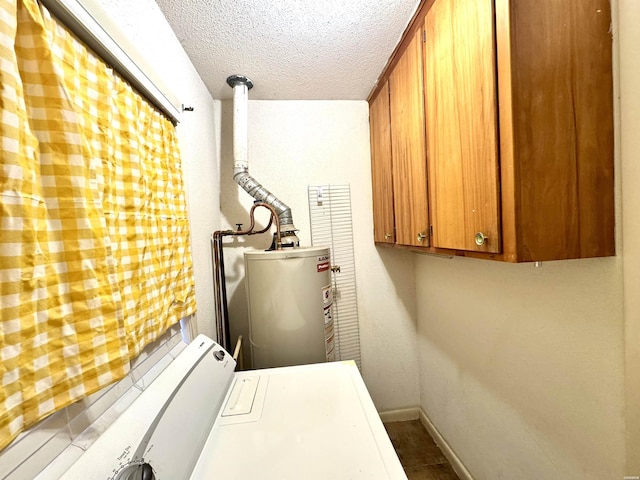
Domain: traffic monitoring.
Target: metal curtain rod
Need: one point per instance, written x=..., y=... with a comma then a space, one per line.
x=84, y=25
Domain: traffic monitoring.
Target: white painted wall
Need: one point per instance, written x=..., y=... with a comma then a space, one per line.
x=294, y=144
x=145, y=26
x=521, y=368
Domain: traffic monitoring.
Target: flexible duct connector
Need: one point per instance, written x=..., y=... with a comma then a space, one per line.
x=241, y=86
x=257, y=191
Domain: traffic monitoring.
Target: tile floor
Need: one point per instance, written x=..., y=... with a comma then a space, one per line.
x=418, y=453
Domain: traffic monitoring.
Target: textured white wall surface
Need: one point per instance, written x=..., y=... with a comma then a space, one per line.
x=521, y=368
x=294, y=50
x=293, y=144
x=145, y=26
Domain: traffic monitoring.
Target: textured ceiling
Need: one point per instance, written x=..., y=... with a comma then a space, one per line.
x=291, y=49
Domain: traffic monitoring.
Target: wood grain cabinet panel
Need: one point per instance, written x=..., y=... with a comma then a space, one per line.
x=556, y=125
x=461, y=111
x=519, y=128
x=381, y=174
x=408, y=147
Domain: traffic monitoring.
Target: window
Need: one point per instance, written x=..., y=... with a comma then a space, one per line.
x=95, y=261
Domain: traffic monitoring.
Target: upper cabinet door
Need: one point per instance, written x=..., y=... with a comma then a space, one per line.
x=461, y=120
x=408, y=147
x=382, y=183
x=558, y=145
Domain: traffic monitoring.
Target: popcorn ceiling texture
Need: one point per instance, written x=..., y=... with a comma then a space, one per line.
x=292, y=50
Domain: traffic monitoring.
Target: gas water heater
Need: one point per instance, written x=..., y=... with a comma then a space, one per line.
x=289, y=296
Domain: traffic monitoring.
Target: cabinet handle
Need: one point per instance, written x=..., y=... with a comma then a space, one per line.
x=480, y=239
x=421, y=237
x=387, y=236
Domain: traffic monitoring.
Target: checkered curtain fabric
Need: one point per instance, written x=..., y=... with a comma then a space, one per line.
x=95, y=260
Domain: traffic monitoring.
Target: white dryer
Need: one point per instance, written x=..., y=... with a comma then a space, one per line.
x=200, y=420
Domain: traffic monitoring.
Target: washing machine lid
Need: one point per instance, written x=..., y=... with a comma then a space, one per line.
x=312, y=421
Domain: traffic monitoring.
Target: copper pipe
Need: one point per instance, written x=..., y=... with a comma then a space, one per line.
x=251, y=231
x=219, y=282
x=222, y=335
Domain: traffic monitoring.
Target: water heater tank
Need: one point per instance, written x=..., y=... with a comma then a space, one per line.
x=290, y=298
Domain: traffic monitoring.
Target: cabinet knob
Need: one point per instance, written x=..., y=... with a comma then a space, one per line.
x=421, y=237
x=481, y=238
x=387, y=236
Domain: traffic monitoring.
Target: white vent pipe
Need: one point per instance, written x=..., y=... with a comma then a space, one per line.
x=241, y=86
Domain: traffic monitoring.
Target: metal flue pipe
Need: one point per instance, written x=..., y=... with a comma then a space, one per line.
x=241, y=86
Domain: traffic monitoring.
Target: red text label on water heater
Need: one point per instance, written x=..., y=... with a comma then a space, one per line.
x=323, y=267
x=323, y=263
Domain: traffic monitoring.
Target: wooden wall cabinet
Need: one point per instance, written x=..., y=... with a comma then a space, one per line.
x=381, y=174
x=461, y=105
x=408, y=150
x=519, y=127
x=398, y=153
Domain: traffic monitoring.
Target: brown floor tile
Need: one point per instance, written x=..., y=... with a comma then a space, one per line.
x=413, y=444
x=421, y=458
x=431, y=472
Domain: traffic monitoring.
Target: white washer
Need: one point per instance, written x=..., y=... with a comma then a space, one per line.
x=200, y=420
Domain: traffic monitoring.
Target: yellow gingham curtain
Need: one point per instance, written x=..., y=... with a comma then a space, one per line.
x=95, y=260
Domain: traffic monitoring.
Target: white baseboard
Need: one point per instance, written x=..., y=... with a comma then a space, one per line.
x=402, y=415
x=448, y=452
